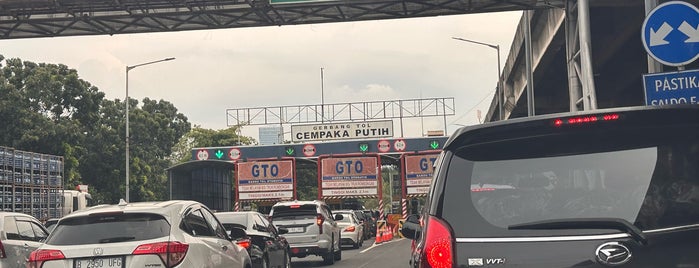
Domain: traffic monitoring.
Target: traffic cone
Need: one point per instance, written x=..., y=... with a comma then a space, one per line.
x=378, y=236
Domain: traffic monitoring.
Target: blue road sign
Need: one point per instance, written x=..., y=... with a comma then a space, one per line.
x=672, y=88
x=670, y=33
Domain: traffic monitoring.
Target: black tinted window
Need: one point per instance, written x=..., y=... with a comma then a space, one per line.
x=109, y=228
x=651, y=181
x=195, y=224
x=303, y=211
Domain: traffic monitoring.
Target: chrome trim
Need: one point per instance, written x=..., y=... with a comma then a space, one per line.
x=676, y=228
x=566, y=238
x=540, y=238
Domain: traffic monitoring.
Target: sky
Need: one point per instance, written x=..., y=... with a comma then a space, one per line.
x=215, y=70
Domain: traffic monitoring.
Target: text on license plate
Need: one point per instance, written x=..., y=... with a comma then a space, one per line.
x=104, y=262
x=295, y=229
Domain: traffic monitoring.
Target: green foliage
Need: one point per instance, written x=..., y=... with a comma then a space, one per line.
x=47, y=108
x=200, y=137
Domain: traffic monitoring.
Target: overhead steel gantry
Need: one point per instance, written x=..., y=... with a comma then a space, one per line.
x=51, y=18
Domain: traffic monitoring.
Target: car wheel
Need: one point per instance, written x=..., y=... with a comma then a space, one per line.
x=338, y=253
x=356, y=245
x=329, y=257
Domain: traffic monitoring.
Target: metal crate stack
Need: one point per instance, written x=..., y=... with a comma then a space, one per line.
x=31, y=183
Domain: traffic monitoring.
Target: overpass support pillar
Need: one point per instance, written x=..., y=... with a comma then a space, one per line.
x=581, y=82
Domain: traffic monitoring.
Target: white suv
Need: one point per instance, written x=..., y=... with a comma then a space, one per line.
x=19, y=235
x=312, y=229
x=149, y=234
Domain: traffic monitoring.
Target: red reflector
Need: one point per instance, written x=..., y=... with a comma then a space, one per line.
x=171, y=253
x=585, y=119
x=295, y=206
x=438, y=245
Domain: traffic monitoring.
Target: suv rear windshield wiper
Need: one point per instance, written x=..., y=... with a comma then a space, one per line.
x=585, y=223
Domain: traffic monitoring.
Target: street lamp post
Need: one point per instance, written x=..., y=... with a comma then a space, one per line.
x=129, y=68
x=499, y=92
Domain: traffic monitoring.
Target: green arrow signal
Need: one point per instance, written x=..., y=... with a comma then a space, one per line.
x=289, y=151
x=219, y=154
x=434, y=144
x=363, y=147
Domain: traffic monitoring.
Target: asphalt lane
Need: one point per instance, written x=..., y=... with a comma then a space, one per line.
x=393, y=254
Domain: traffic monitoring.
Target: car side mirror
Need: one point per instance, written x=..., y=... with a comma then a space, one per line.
x=237, y=233
x=282, y=230
x=338, y=217
x=411, y=228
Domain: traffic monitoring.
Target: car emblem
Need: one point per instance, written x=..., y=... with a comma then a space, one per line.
x=613, y=253
x=98, y=251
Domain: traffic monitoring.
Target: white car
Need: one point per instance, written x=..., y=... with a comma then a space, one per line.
x=352, y=229
x=20, y=234
x=149, y=234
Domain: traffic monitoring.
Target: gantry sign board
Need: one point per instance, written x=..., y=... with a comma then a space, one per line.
x=349, y=176
x=417, y=172
x=259, y=180
x=342, y=131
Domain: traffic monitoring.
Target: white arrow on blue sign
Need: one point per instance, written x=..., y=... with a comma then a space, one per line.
x=670, y=33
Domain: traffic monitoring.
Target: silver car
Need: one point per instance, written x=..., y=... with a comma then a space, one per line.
x=20, y=234
x=313, y=229
x=352, y=228
x=149, y=234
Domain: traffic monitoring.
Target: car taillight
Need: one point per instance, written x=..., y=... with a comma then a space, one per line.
x=350, y=229
x=244, y=243
x=319, y=221
x=438, y=249
x=171, y=253
x=38, y=257
x=585, y=119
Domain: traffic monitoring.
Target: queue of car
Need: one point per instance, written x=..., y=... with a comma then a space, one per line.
x=180, y=233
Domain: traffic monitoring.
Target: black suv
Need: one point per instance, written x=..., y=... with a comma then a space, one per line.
x=617, y=187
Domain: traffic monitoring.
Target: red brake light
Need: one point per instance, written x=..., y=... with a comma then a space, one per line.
x=350, y=229
x=319, y=221
x=38, y=257
x=438, y=249
x=585, y=119
x=171, y=253
x=244, y=243
x=295, y=206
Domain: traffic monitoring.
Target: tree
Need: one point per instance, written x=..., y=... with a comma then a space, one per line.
x=200, y=137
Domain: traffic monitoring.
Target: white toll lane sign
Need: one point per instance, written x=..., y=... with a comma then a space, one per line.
x=265, y=179
x=342, y=131
x=352, y=176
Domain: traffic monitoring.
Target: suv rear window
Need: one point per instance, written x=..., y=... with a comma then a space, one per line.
x=294, y=211
x=650, y=179
x=109, y=228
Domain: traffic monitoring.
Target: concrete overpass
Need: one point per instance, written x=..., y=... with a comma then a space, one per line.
x=617, y=61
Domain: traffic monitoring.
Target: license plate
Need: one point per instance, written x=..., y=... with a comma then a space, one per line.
x=295, y=229
x=103, y=262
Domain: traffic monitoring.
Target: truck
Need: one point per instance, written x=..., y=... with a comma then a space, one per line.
x=74, y=200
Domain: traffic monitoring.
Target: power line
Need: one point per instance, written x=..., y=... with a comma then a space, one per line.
x=474, y=107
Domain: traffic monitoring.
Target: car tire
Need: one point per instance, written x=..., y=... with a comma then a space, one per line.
x=329, y=258
x=356, y=245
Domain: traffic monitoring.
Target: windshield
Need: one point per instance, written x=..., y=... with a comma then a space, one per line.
x=101, y=229
x=650, y=186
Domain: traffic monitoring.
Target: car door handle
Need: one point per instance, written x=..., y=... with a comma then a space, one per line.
x=26, y=246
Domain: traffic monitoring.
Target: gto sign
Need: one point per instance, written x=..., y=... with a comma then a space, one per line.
x=342, y=131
